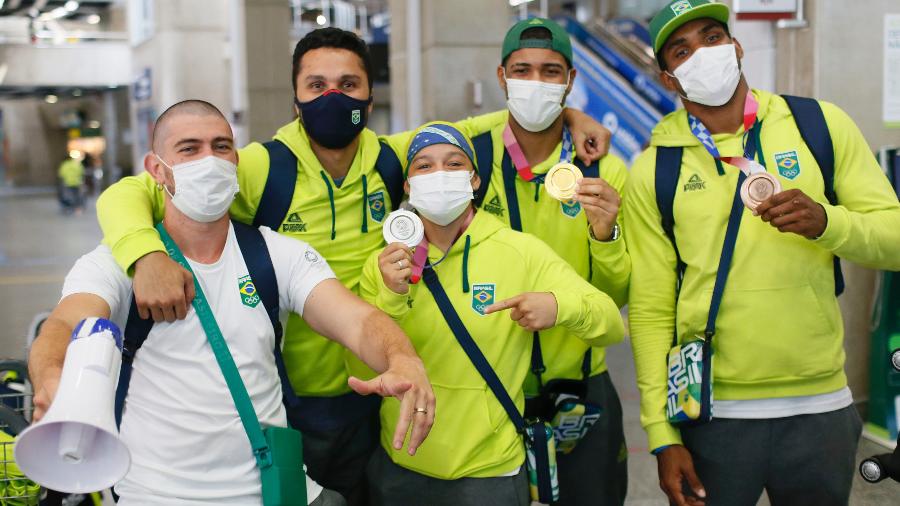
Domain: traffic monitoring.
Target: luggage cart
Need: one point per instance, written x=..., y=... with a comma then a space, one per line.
x=15, y=414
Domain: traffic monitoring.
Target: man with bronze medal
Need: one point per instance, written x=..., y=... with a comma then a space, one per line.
x=735, y=218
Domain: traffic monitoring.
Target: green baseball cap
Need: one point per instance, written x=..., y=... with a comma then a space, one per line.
x=680, y=12
x=559, y=39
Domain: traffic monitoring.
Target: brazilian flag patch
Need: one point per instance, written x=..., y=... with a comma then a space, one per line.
x=482, y=296
x=376, y=206
x=570, y=208
x=249, y=295
x=788, y=164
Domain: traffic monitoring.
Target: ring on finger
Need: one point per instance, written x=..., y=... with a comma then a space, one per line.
x=400, y=263
x=421, y=411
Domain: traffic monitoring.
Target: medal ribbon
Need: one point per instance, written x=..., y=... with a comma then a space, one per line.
x=420, y=256
x=746, y=163
x=518, y=156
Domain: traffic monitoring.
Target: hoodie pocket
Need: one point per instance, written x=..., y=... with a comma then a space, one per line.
x=777, y=334
x=464, y=438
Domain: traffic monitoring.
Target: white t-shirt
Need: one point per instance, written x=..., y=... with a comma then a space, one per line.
x=782, y=407
x=187, y=444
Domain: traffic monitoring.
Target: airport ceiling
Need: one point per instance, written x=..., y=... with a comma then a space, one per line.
x=59, y=92
x=70, y=9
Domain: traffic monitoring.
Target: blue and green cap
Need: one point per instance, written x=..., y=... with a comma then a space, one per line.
x=558, y=41
x=679, y=12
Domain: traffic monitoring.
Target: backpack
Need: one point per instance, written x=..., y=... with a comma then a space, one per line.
x=814, y=131
x=278, y=192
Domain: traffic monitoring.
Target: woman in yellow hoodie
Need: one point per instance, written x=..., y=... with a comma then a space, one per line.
x=473, y=455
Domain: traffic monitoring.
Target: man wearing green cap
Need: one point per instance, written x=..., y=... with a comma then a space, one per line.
x=735, y=217
x=536, y=74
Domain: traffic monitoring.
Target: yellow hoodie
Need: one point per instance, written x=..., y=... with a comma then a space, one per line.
x=779, y=330
x=472, y=435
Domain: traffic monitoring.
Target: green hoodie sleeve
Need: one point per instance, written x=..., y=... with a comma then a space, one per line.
x=610, y=261
x=651, y=302
x=127, y=212
x=471, y=126
x=373, y=290
x=585, y=311
x=128, y=209
x=864, y=227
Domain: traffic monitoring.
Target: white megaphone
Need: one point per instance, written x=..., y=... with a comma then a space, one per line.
x=75, y=448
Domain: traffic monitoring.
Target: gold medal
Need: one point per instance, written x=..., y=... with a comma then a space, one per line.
x=757, y=188
x=560, y=181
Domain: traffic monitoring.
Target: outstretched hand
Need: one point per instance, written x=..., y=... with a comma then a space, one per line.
x=406, y=380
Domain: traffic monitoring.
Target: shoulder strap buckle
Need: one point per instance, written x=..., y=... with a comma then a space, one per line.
x=263, y=457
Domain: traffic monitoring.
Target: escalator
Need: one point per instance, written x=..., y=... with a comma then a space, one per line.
x=616, y=84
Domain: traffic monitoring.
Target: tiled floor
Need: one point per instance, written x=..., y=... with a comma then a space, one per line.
x=38, y=245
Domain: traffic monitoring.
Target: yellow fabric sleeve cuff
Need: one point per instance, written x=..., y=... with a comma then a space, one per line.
x=837, y=231
x=133, y=246
x=662, y=434
x=394, y=304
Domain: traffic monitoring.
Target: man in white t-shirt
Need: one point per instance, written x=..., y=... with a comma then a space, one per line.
x=187, y=443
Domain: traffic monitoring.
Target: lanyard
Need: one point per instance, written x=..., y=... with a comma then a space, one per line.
x=518, y=156
x=223, y=356
x=746, y=164
x=420, y=256
x=514, y=163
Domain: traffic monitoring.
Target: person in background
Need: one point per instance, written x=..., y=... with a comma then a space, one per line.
x=71, y=180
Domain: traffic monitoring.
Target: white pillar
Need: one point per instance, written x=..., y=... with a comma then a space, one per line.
x=237, y=35
x=414, y=63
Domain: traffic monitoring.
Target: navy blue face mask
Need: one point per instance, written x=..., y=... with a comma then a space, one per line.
x=334, y=119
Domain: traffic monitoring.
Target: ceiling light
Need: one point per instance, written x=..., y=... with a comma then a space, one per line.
x=71, y=6
x=93, y=19
x=77, y=93
x=94, y=124
x=51, y=99
x=320, y=19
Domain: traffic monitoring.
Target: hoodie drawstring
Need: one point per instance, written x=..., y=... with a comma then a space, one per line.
x=365, y=202
x=465, y=264
x=760, y=155
x=330, y=201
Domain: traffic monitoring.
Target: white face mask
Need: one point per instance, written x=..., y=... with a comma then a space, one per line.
x=441, y=196
x=204, y=188
x=710, y=76
x=534, y=104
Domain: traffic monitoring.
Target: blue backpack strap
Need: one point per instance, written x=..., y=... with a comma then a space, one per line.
x=136, y=332
x=484, y=155
x=668, y=168
x=391, y=171
x=262, y=272
x=592, y=170
x=537, y=359
x=813, y=128
x=278, y=193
